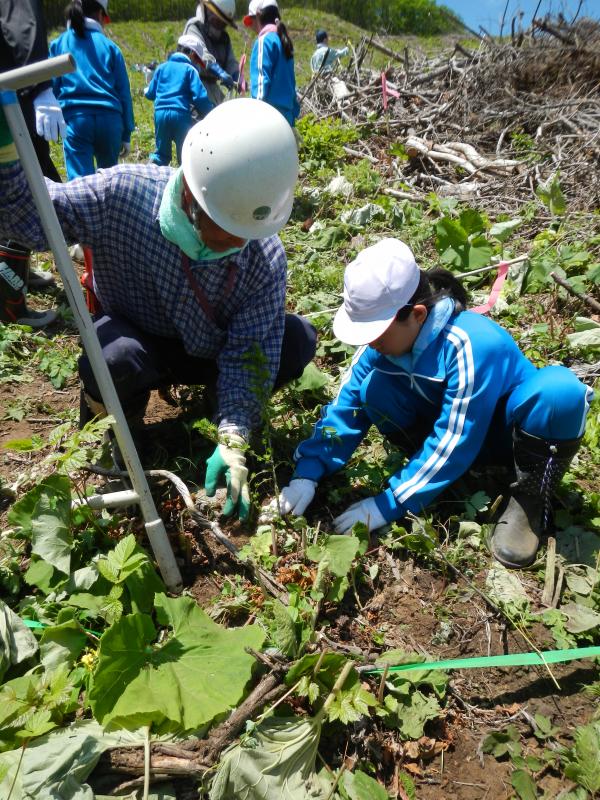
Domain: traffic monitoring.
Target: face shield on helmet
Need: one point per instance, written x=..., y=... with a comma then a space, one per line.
x=241, y=165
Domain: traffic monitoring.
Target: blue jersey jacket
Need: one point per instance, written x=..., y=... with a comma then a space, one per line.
x=99, y=83
x=272, y=74
x=461, y=365
x=176, y=86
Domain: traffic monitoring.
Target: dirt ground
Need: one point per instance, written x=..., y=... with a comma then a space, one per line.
x=401, y=606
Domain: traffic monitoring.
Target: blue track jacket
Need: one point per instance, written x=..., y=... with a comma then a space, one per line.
x=100, y=82
x=176, y=86
x=272, y=75
x=461, y=365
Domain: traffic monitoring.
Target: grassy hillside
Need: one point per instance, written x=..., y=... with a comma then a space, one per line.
x=152, y=41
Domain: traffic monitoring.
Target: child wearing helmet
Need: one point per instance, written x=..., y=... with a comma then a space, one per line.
x=272, y=76
x=175, y=88
x=209, y=26
x=200, y=292
x=448, y=386
x=325, y=58
x=96, y=98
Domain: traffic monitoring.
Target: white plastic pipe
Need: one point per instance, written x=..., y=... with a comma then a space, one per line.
x=127, y=497
x=9, y=82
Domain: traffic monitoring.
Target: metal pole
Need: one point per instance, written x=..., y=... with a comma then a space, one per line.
x=36, y=73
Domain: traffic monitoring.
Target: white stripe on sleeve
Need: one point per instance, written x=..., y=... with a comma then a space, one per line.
x=456, y=419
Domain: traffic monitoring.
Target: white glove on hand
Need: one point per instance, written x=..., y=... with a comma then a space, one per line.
x=364, y=511
x=49, y=120
x=125, y=149
x=296, y=497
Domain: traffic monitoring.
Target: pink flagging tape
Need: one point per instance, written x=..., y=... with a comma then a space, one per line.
x=242, y=80
x=386, y=91
x=496, y=289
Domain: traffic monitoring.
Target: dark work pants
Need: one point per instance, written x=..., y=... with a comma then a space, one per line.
x=140, y=362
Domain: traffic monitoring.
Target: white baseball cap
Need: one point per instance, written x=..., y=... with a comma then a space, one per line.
x=377, y=284
x=104, y=4
x=256, y=6
x=195, y=45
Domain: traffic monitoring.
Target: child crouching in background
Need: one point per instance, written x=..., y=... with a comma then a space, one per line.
x=176, y=88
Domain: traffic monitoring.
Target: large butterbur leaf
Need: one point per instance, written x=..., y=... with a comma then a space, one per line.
x=185, y=682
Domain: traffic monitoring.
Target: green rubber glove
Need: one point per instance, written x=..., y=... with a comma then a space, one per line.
x=229, y=460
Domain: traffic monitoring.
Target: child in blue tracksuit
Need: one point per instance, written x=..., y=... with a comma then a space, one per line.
x=95, y=98
x=272, y=77
x=175, y=88
x=448, y=384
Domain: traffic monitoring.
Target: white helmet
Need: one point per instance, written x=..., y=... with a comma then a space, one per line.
x=241, y=164
x=225, y=9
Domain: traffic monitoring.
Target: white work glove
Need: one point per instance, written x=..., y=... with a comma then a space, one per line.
x=125, y=149
x=229, y=460
x=364, y=511
x=49, y=120
x=296, y=497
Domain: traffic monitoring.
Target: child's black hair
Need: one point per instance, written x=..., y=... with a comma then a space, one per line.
x=434, y=285
x=78, y=10
x=270, y=16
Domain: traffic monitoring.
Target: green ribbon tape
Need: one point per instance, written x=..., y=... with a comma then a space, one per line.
x=511, y=660
x=33, y=623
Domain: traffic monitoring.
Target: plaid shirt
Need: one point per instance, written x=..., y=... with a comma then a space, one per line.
x=139, y=274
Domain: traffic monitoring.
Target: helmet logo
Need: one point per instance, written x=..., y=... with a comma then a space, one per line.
x=262, y=212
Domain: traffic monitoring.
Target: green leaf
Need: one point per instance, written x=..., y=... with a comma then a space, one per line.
x=583, y=761
x=502, y=230
x=277, y=760
x=501, y=743
x=39, y=573
x=61, y=644
x=283, y=630
x=17, y=643
x=336, y=553
x=579, y=618
x=199, y=673
x=312, y=379
x=50, y=523
x=37, y=724
x=409, y=714
x=360, y=786
x=505, y=588
x=524, y=785
x=552, y=196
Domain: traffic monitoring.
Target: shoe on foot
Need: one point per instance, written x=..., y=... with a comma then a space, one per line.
x=39, y=280
x=516, y=536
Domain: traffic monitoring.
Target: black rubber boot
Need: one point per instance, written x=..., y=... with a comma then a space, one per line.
x=540, y=465
x=14, y=272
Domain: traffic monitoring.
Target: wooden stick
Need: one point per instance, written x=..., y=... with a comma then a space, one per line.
x=549, y=580
x=585, y=298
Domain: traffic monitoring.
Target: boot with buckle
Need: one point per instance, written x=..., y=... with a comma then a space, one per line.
x=540, y=465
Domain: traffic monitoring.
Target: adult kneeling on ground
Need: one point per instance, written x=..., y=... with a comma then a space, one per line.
x=449, y=386
x=188, y=271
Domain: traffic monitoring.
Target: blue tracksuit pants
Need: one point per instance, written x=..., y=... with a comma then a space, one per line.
x=170, y=126
x=551, y=404
x=92, y=136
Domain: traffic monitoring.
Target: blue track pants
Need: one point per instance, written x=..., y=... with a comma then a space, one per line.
x=551, y=404
x=169, y=126
x=92, y=136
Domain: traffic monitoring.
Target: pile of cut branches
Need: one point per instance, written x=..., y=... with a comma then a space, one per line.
x=495, y=123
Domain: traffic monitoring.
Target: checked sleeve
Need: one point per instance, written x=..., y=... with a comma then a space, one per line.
x=254, y=335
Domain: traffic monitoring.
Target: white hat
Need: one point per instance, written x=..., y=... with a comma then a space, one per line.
x=256, y=6
x=380, y=281
x=104, y=4
x=195, y=45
